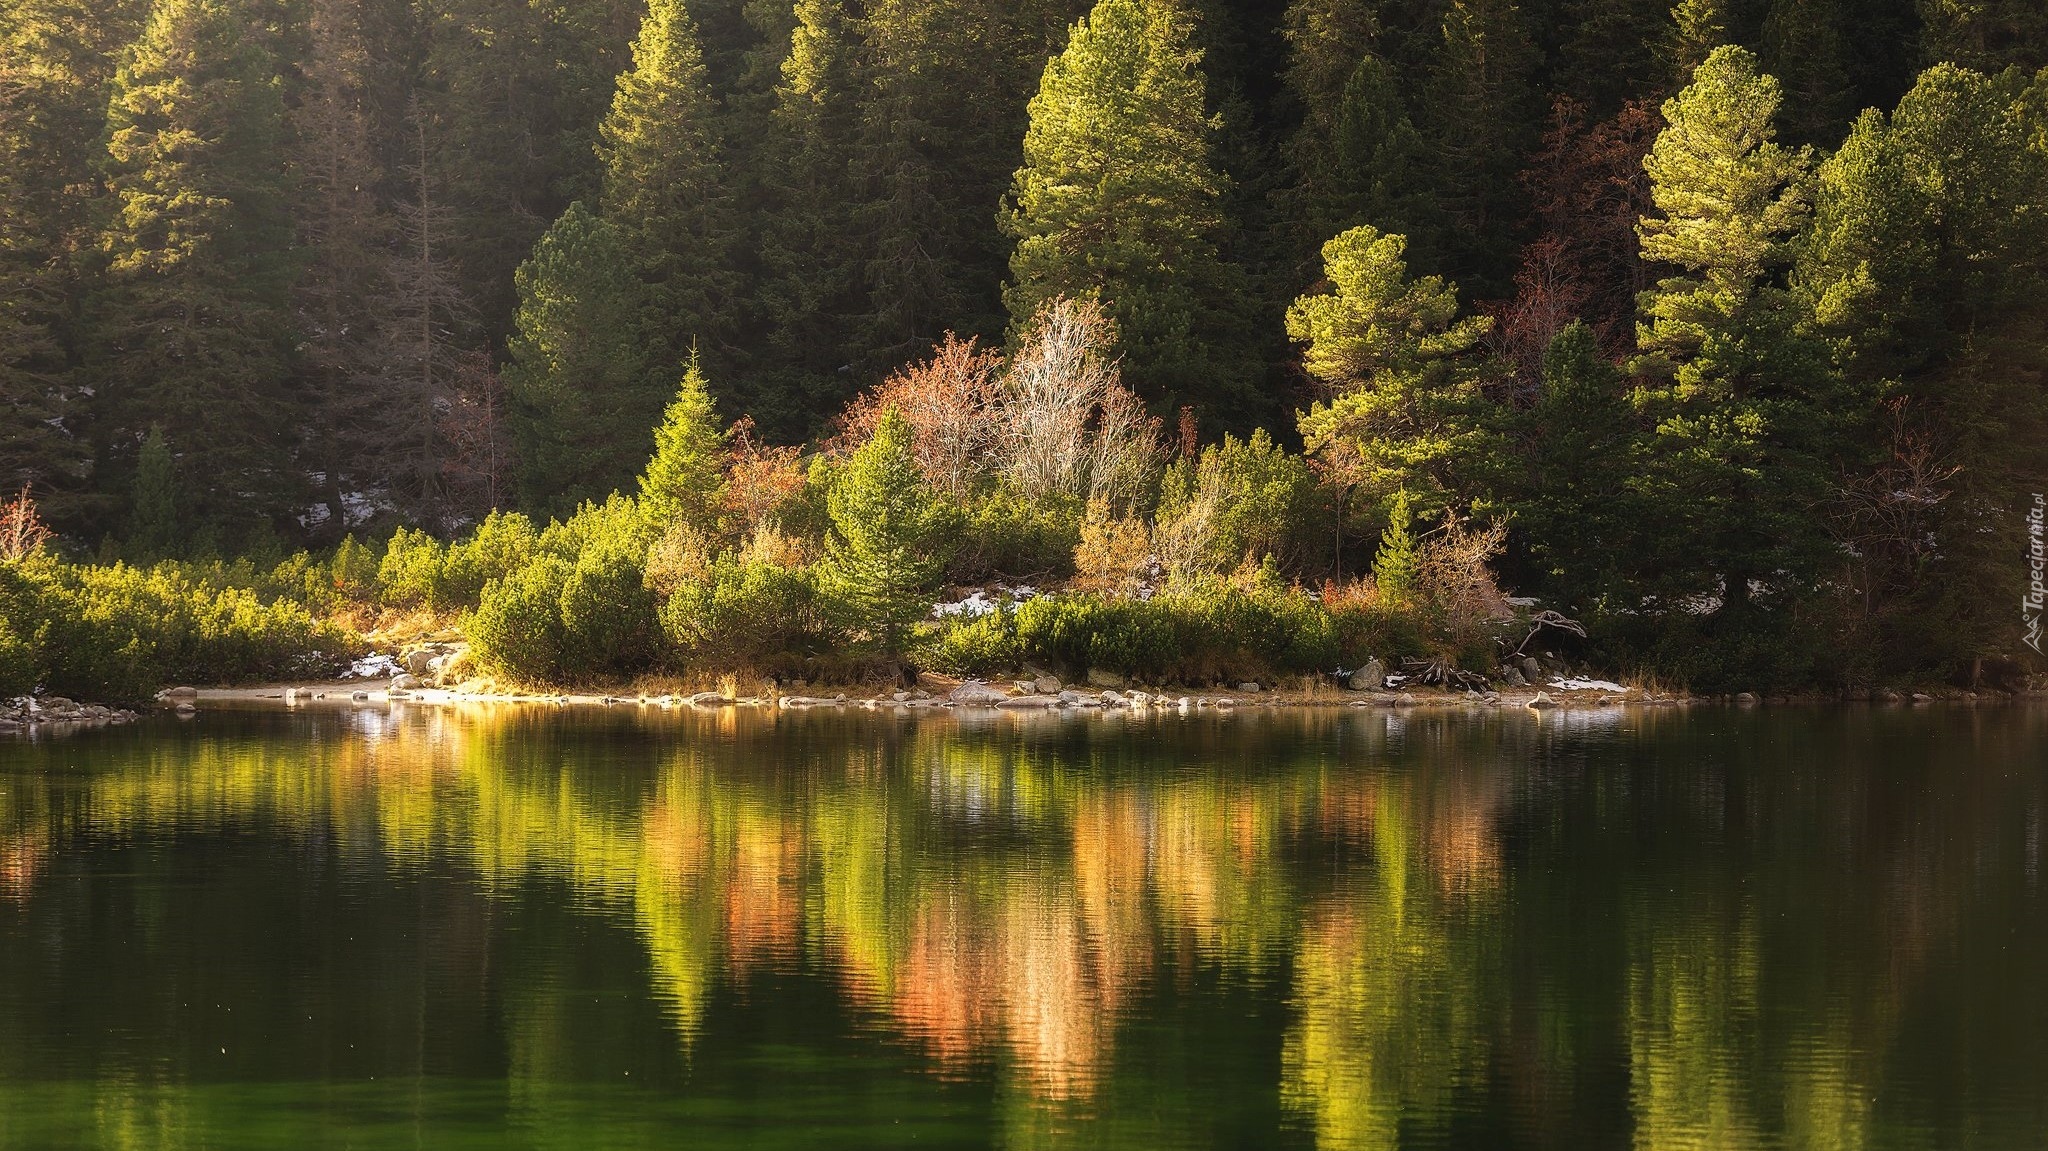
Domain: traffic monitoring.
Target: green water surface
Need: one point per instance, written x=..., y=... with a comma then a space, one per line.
x=357, y=927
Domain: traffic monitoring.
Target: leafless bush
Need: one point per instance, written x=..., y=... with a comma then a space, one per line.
x=953, y=403
x=1069, y=426
x=22, y=529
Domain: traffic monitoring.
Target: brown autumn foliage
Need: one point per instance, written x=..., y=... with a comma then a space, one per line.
x=1588, y=189
x=760, y=479
x=951, y=402
x=22, y=529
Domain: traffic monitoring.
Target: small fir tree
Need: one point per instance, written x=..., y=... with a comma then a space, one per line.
x=888, y=544
x=683, y=481
x=1397, y=565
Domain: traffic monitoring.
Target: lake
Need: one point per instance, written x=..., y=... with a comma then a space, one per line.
x=505, y=926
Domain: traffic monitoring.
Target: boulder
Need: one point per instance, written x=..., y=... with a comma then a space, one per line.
x=1107, y=680
x=1112, y=699
x=1068, y=698
x=1513, y=677
x=1531, y=670
x=1371, y=677
x=1542, y=702
x=1046, y=685
x=178, y=693
x=419, y=660
x=975, y=693
x=1745, y=697
x=1140, y=700
x=1029, y=702
x=406, y=683
x=709, y=699
x=1249, y=688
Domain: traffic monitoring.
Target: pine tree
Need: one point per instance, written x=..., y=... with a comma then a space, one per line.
x=1359, y=161
x=889, y=543
x=684, y=477
x=808, y=289
x=665, y=190
x=1697, y=28
x=1575, y=505
x=1405, y=410
x=343, y=286
x=1743, y=404
x=1118, y=200
x=578, y=376
x=194, y=333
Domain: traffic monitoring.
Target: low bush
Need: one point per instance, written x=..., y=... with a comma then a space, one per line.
x=1006, y=534
x=607, y=612
x=516, y=629
x=119, y=633
x=982, y=646
x=746, y=613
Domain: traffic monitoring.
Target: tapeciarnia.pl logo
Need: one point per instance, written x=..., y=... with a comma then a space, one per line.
x=2037, y=569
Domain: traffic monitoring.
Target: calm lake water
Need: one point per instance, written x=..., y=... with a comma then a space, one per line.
x=425, y=927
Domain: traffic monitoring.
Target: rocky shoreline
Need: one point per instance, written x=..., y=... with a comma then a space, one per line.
x=28, y=713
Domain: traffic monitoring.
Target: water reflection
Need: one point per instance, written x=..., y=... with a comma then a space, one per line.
x=1353, y=930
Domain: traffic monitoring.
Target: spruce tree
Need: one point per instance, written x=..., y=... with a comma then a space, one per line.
x=1359, y=161
x=1806, y=45
x=684, y=477
x=1397, y=564
x=578, y=374
x=1118, y=200
x=55, y=59
x=889, y=540
x=1405, y=410
x=944, y=85
x=1744, y=407
x=1575, y=507
x=1610, y=53
x=194, y=334
x=665, y=190
x=157, y=525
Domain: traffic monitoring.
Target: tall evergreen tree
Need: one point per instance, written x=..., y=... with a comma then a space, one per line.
x=343, y=287
x=55, y=59
x=1479, y=120
x=1404, y=410
x=1118, y=200
x=1575, y=507
x=1357, y=157
x=1926, y=266
x=1610, y=55
x=583, y=407
x=1806, y=45
x=665, y=190
x=193, y=333
x=944, y=87
x=807, y=296
x=1986, y=35
x=1743, y=405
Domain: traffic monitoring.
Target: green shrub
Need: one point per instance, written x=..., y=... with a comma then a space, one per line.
x=516, y=629
x=410, y=573
x=744, y=613
x=1006, y=534
x=607, y=612
x=500, y=545
x=982, y=646
x=1244, y=500
x=118, y=632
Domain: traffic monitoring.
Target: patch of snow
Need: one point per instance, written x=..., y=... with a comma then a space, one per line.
x=373, y=666
x=1396, y=680
x=1523, y=600
x=974, y=606
x=1586, y=685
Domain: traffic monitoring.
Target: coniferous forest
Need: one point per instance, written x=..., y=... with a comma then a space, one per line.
x=1278, y=336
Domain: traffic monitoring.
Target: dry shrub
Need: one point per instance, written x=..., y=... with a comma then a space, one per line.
x=682, y=555
x=760, y=479
x=1455, y=580
x=952, y=403
x=1115, y=555
x=1069, y=425
x=22, y=529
